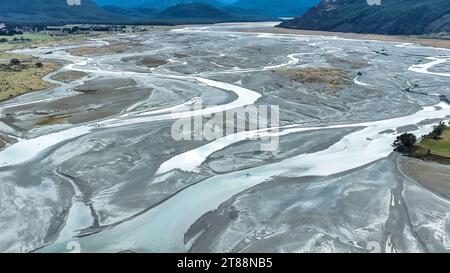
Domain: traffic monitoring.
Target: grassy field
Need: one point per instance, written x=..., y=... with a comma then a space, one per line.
x=7, y=56
x=439, y=147
x=4, y=47
x=39, y=39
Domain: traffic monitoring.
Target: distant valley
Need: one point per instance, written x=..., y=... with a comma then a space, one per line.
x=148, y=11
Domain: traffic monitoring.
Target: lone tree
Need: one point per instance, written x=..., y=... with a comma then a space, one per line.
x=14, y=62
x=39, y=64
x=404, y=142
x=3, y=40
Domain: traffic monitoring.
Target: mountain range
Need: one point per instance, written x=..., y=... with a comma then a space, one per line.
x=238, y=8
x=275, y=7
x=155, y=4
x=146, y=11
x=55, y=11
x=400, y=17
x=193, y=11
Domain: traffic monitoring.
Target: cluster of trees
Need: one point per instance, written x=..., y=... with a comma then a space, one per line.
x=21, y=40
x=15, y=39
x=16, y=63
x=437, y=131
x=10, y=31
x=405, y=142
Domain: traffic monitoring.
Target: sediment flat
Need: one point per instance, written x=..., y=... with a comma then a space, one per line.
x=439, y=43
x=432, y=175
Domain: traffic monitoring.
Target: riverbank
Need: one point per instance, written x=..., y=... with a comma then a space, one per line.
x=438, y=43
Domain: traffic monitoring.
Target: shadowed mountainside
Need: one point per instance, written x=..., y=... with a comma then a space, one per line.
x=404, y=17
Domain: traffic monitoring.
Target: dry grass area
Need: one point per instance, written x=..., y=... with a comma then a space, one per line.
x=109, y=49
x=25, y=77
x=118, y=47
x=7, y=56
x=41, y=39
x=68, y=76
x=333, y=78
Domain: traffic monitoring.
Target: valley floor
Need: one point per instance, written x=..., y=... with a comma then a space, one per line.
x=93, y=162
x=439, y=43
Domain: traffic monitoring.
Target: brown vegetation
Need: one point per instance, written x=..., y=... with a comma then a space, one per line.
x=112, y=48
x=50, y=121
x=331, y=77
x=23, y=76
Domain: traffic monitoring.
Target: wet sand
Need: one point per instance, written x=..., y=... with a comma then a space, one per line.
x=97, y=99
x=146, y=61
x=438, y=43
x=68, y=76
x=434, y=176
